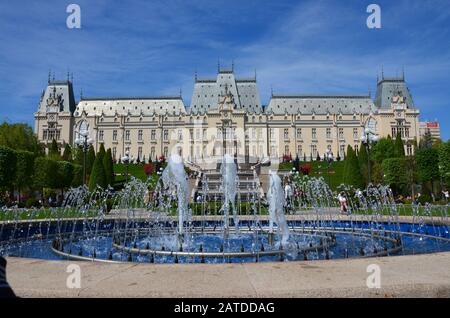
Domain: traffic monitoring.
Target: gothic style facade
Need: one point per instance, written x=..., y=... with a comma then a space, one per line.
x=226, y=116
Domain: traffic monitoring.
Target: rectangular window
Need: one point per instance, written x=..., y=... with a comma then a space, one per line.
x=342, y=151
x=272, y=133
x=355, y=133
x=341, y=133
x=205, y=134
x=394, y=132
x=314, y=133
x=299, y=150
x=127, y=135
x=58, y=134
x=406, y=132
x=219, y=133
x=44, y=135
x=314, y=151
x=253, y=133
x=286, y=134
x=299, y=133
x=140, y=135
x=152, y=153
x=409, y=150
x=153, y=134
x=101, y=134
x=166, y=151
x=180, y=135
x=114, y=135
x=166, y=136
x=328, y=133
x=114, y=152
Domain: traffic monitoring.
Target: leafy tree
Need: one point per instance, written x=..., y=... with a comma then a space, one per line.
x=384, y=148
x=108, y=165
x=24, y=170
x=67, y=154
x=77, y=176
x=426, y=141
x=427, y=161
x=90, y=160
x=45, y=173
x=399, y=148
x=395, y=174
x=8, y=164
x=352, y=172
x=54, y=152
x=444, y=162
x=97, y=177
x=65, y=175
x=19, y=137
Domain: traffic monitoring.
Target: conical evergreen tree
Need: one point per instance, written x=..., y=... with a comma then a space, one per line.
x=53, y=151
x=97, y=176
x=67, y=154
x=399, y=149
x=352, y=172
x=363, y=161
x=108, y=165
x=90, y=159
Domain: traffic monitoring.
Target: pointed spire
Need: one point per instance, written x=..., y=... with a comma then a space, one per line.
x=71, y=77
x=53, y=76
x=271, y=90
x=195, y=76
x=49, y=75
x=382, y=72
x=232, y=65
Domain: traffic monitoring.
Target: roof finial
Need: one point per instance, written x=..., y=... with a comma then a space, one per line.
x=255, y=74
x=53, y=76
x=271, y=90
x=181, y=92
x=49, y=75
x=81, y=93
x=382, y=72
x=68, y=75
x=218, y=65
x=71, y=77
x=195, y=75
x=232, y=65
x=403, y=72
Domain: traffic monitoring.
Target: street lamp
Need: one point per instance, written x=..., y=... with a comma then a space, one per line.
x=368, y=138
x=126, y=160
x=84, y=141
x=329, y=159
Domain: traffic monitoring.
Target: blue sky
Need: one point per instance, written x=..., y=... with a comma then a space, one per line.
x=154, y=48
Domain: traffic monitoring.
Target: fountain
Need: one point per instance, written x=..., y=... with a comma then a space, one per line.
x=228, y=170
x=174, y=178
x=275, y=196
x=153, y=222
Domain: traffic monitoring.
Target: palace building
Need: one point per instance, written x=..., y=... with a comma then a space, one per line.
x=226, y=116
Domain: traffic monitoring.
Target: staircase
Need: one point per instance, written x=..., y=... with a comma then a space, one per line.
x=245, y=187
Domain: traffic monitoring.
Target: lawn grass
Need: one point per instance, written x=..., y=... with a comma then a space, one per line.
x=135, y=170
x=320, y=169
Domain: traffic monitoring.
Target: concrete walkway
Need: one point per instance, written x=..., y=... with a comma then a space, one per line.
x=401, y=276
